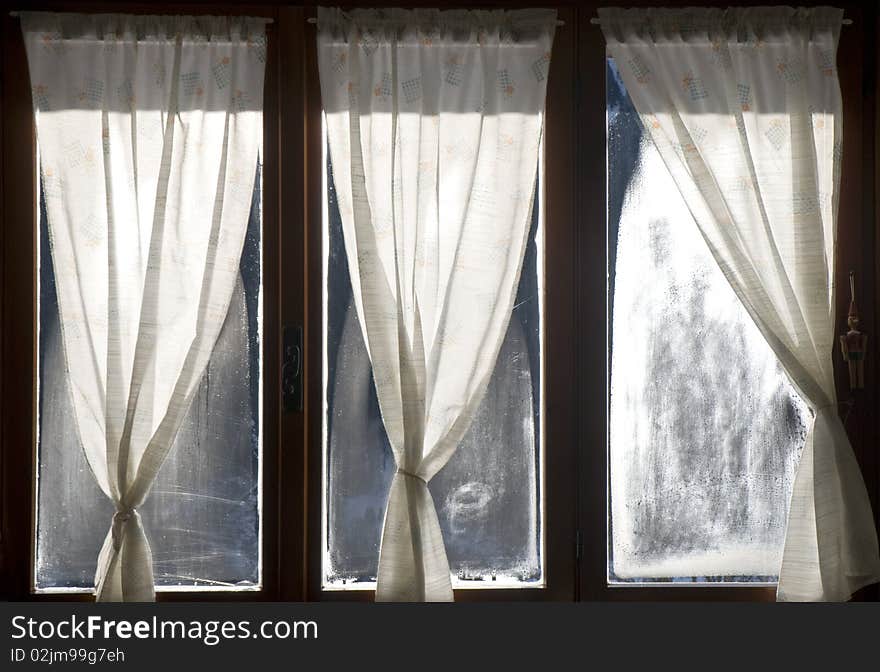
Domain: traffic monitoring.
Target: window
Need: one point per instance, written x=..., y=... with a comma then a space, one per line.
x=488, y=496
x=705, y=429
x=203, y=514
x=618, y=492
x=147, y=303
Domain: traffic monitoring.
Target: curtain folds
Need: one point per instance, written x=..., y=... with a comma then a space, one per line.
x=434, y=123
x=149, y=130
x=744, y=106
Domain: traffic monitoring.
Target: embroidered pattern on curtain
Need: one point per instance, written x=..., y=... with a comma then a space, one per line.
x=434, y=123
x=149, y=130
x=744, y=107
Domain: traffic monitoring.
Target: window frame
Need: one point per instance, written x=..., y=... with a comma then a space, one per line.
x=558, y=337
x=576, y=363
x=857, y=221
x=18, y=468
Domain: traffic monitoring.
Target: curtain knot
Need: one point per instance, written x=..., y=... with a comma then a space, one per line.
x=403, y=472
x=120, y=517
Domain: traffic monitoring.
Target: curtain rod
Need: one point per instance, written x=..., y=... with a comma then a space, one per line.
x=597, y=22
x=312, y=19
x=265, y=19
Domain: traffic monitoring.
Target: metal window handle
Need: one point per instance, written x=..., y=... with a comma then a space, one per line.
x=854, y=343
x=292, y=370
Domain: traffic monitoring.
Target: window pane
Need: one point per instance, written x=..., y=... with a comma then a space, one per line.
x=202, y=516
x=705, y=429
x=488, y=496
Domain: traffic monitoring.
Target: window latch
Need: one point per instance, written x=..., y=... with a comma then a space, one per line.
x=854, y=344
x=292, y=369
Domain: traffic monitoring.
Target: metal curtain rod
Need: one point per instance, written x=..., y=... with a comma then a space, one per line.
x=597, y=22
x=265, y=19
x=312, y=19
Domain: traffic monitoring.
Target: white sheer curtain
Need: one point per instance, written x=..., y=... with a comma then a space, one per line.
x=744, y=106
x=149, y=130
x=434, y=121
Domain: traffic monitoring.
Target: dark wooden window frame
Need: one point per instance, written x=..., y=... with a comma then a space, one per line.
x=559, y=336
x=575, y=328
x=857, y=247
x=19, y=315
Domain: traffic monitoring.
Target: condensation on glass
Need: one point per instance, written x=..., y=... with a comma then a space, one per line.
x=202, y=517
x=705, y=428
x=488, y=496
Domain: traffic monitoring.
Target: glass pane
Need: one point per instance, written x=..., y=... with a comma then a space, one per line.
x=202, y=516
x=488, y=496
x=705, y=429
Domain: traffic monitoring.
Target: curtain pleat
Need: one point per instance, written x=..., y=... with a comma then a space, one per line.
x=434, y=123
x=149, y=130
x=744, y=107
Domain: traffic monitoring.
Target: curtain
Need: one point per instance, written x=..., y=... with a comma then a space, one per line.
x=148, y=131
x=744, y=107
x=434, y=123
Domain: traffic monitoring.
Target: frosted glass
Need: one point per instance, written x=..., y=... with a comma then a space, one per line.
x=202, y=515
x=705, y=429
x=488, y=494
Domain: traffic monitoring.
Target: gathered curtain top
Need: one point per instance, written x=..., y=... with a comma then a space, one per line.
x=135, y=27
x=429, y=27
x=734, y=24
